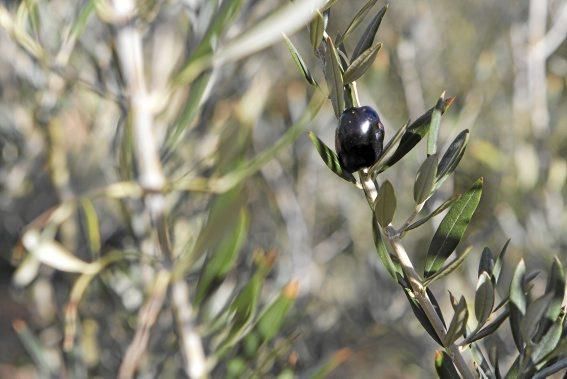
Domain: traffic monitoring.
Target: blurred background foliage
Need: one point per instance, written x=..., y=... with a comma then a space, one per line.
x=62, y=135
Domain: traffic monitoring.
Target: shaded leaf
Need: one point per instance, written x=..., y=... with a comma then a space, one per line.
x=221, y=260
x=555, y=285
x=330, y=158
x=271, y=320
x=385, y=204
x=423, y=185
x=434, y=128
x=455, y=264
x=299, y=62
x=334, y=77
x=458, y=324
x=361, y=64
x=490, y=328
x=367, y=38
x=444, y=366
x=551, y=369
x=420, y=315
x=549, y=341
x=376, y=168
x=500, y=261
x=452, y=228
x=534, y=314
x=414, y=133
x=357, y=19
x=486, y=263
x=484, y=299
x=393, y=268
x=517, y=303
x=452, y=157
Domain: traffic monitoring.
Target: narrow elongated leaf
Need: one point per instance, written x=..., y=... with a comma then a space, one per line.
x=490, y=328
x=376, y=168
x=444, y=366
x=393, y=268
x=334, y=76
x=434, y=128
x=316, y=29
x=551, y=369
x=437, y=211
x=414, y=133
x=486, y=263
x=271, y=320
x=221, y=260
x=500, y=261
x=452, y=157
x=385, y=204
x=549, y=341
x=484, y=299
x=361, y=64
x=423, y=186
x=91, y=225
x=420, y=315
x=534, y=314
x=517, y=303
x=455, y=264
x=555, y=285
x=299, y=62
x=330, y=158
x=458, y=324
x=357, y=19
x=452, y=228
x=367, y=38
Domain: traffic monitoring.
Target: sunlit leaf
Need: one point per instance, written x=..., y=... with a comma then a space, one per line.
x=330, y=158
x=455, y=264
x=423, y=185
x=452, y=228
x=316, y=29
x=393, y=268
x=334, y=76
x=434, y=128
x=437, y=211
x=361, y=64
x=357, y=19
x=458, y=324
x=451, y=158
x=534, y=314
x=299, y=62
x=484, y=299
x=549, y=341
x=517, y=303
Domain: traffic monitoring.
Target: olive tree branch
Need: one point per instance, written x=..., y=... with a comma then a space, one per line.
x=415, y=281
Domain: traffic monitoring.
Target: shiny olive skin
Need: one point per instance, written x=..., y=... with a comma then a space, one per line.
x=359, y=138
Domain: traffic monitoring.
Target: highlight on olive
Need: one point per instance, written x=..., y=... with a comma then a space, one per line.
x=359, y=138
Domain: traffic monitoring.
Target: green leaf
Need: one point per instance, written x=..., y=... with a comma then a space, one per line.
x=358, y=18
x=299, y=62
x=92, y=225
x=484, y=299
x=455, y=264
x=549, y=341
x=490, y=328
x=316, y=29
x=423, y=186
x=271, y=320
x=437, y=211
x=517, y=303
x=414, y=133
x=361, y=64
x=434, y=128
x=486, y=263
x=500, y=261
x=534, y=314
x=458, y=324
x=385, y=204
x=444, y=366
x=551, y=369
x=555, y=285
x=367, y=38
x=330, y=158
x=334, y=77
x=393, y=268
x=221, y=260
x=452, y=157
x=420, y=315
x=452, y=228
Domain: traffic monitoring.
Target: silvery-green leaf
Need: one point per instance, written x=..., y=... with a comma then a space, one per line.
x=490, y=328
x=534, y=315
x=500, y=261
x=330, y=158
x=357, y=19
x=367, y=38
x=517, y=303
x=455, y=264
x=437, y=211
x=452, y=157
x=423, y=185
x=444, y=366
x=434, y=128
x=393, y=268
x=549, y=341
x=484, y=299
x=458, y=323
x=555, y=285
x=486, y=263
x=299, y=62
x=385, y=204
x=361, y=64
x=316, y=29
x=334, y=77
x=452, y=228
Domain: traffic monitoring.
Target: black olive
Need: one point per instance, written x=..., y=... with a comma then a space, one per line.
x=359, y=138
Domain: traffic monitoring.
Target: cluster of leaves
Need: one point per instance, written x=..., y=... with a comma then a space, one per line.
x=538, y=325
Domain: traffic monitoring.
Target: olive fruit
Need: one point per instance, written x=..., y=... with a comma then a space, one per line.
x=359, y=138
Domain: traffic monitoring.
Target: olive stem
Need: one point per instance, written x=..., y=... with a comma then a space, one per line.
x=415, y=281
